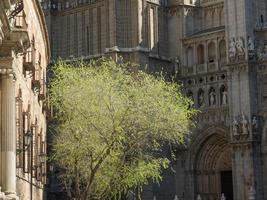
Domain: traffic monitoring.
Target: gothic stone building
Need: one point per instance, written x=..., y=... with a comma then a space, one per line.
x=219, y=49
x=24, y=55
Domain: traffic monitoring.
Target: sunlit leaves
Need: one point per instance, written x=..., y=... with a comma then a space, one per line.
x=112, y=121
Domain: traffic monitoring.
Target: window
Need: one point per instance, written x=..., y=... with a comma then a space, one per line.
x=190, y=56
x=211, y=52
x=20, y=129
x=200, y=54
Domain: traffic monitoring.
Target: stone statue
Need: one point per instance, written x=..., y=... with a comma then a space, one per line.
x=235, y=127
x=244, y=125
x=199, y=197
x=251, y=46
x=232, y=48
x=254, y=123
x=212, y=98
x=224, y=97
x=261, y=52
x=176, y=197
x=240, y=46
x=201, y=99
x=223, y=197
x=251, y=193
x=154, y=198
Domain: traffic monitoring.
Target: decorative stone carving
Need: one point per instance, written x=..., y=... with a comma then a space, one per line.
x=235, y=127
x=212, y=97
x=224, y=97
x=251, y=193
x=236, y=49
x=223, y=197
x=201, y=101
x=240, y=47
x=232, y=49
x=261, y=51
x=255, y=123
x=154, y=198
x=176, y=197
x=251, y=46
x=199, y=197
x=244, y=123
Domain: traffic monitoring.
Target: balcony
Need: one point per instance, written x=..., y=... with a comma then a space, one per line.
x=36, y=81
x=29, y=60
x=201, y=68
x=42, y=93
x=19, y=34
x=213, y=66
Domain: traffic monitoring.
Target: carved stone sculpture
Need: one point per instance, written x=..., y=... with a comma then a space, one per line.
x=201, y=99
x=223, y=197
x=251, y=194
x=244, y=125
x=235, y=128
x=199, y=197
x=240, y=46
x=232, y=49
x=212, y=98
x=251, y=46
x=261, y=51
x=176, y=197
x=224, y=97
x=255, y=123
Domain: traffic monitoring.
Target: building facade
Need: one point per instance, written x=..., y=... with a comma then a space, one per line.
x=218, y=50
x=24, y=55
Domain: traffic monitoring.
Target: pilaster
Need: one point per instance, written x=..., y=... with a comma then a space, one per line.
x=8, y=132
x=245, y=138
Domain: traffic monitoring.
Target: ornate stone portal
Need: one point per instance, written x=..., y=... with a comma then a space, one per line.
x=213, y=163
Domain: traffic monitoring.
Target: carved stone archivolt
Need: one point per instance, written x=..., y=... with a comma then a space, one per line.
x=213, y=156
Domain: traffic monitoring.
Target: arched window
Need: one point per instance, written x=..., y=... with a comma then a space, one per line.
x=222, y=50
x=190, y=56
x=211, y=52
x=200, y=54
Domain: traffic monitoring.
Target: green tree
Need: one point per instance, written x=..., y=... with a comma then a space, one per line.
x=111, y=123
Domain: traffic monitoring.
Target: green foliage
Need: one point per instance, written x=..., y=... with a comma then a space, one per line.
x=112, y=121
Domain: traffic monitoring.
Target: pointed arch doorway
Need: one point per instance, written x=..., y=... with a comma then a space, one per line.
x=213, y=168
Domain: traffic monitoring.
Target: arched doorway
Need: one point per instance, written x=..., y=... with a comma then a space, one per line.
x=213, y=168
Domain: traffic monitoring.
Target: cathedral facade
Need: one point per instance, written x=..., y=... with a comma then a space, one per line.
x=218, y=50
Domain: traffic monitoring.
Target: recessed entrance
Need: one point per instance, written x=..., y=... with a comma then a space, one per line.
x=227, y=184
x=214, y=168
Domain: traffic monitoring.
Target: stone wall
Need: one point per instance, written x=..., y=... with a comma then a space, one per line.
x=25, y=53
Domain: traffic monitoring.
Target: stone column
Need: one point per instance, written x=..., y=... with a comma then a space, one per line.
x=8, y=145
